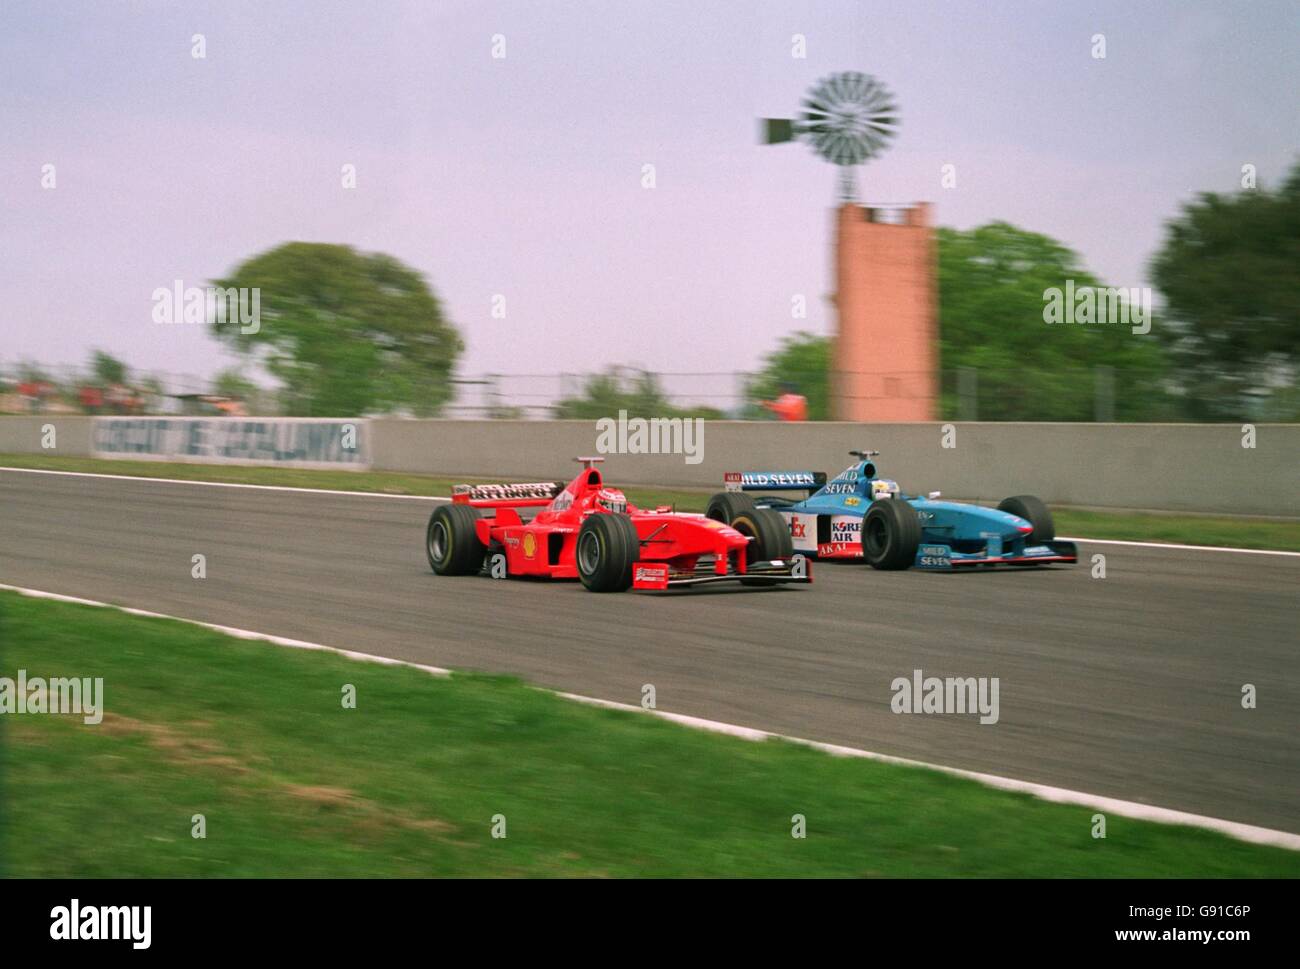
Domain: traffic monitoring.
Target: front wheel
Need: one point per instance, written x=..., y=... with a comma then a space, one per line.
x=607, y=548
x=891, y=533
x=1032, y=510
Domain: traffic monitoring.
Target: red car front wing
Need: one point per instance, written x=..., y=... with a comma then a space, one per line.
x=658, y=576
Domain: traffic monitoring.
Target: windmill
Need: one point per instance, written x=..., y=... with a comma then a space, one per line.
x=848, y=119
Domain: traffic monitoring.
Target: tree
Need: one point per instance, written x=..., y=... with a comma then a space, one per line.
x=345, y=332
x=992, y=285
x=639, y=394
x=1229, y=271
x=108, y=369
x=231, y=382
x=29, y=371
x=802, y=361
x=992, y=281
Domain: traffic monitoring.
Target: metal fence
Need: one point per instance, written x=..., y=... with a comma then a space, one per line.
x=1101, y=394
x=57, y=388
x=538, y=396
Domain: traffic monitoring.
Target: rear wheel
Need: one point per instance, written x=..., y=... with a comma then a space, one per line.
x=451, y=541
x=726, y=505
x=891, y=533
x=607, y=548
x=1032, y=510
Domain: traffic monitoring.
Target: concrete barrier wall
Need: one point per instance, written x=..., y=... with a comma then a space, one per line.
x=1171, y=467
x=23, y=435
x=1174, y=467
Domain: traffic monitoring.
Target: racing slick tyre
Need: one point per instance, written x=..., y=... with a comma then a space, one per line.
x=726, y=505
x=1032, y=510
x=771, y=537
x=771, y=534
x=451, y=541
x=607, y=547
x=891, y=533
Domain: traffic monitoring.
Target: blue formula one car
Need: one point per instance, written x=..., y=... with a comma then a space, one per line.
x=860, y=515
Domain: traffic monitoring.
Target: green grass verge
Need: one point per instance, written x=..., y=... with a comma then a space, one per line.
x=255, y=738
x=1267, y=533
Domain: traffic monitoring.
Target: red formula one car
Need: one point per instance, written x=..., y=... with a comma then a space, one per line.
x=588, y=531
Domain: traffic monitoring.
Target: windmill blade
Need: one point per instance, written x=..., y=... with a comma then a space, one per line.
x=836, y=88
x=875, y=98
x=817, y=106
x=848, y=118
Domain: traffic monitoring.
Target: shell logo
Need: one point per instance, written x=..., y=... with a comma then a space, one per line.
x=530, y=545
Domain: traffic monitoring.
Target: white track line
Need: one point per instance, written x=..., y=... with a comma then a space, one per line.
x=1193, y=548
x=380, y=494
x=228, y=630
x=1059, y=795
x=226, y=484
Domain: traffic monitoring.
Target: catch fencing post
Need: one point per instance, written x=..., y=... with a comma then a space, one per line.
x=1103, y=405
x=967, y=394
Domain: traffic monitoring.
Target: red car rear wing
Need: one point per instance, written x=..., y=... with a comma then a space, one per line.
x=513, y=495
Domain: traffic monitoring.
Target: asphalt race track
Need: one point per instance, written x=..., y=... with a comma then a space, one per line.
x=1127, y=686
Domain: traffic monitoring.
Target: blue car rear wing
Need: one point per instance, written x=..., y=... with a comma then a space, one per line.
x=774, y=480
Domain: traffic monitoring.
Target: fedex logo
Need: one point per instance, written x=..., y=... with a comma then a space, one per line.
x=803, y=531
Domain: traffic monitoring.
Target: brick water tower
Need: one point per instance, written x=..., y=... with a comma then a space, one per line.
x=884, y=360
x=884, y=363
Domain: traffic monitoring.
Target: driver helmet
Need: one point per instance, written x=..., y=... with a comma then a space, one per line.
x=611, y=499
x=883, y=488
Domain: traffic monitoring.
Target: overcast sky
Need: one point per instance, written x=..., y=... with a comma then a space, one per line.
x=523, y=176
